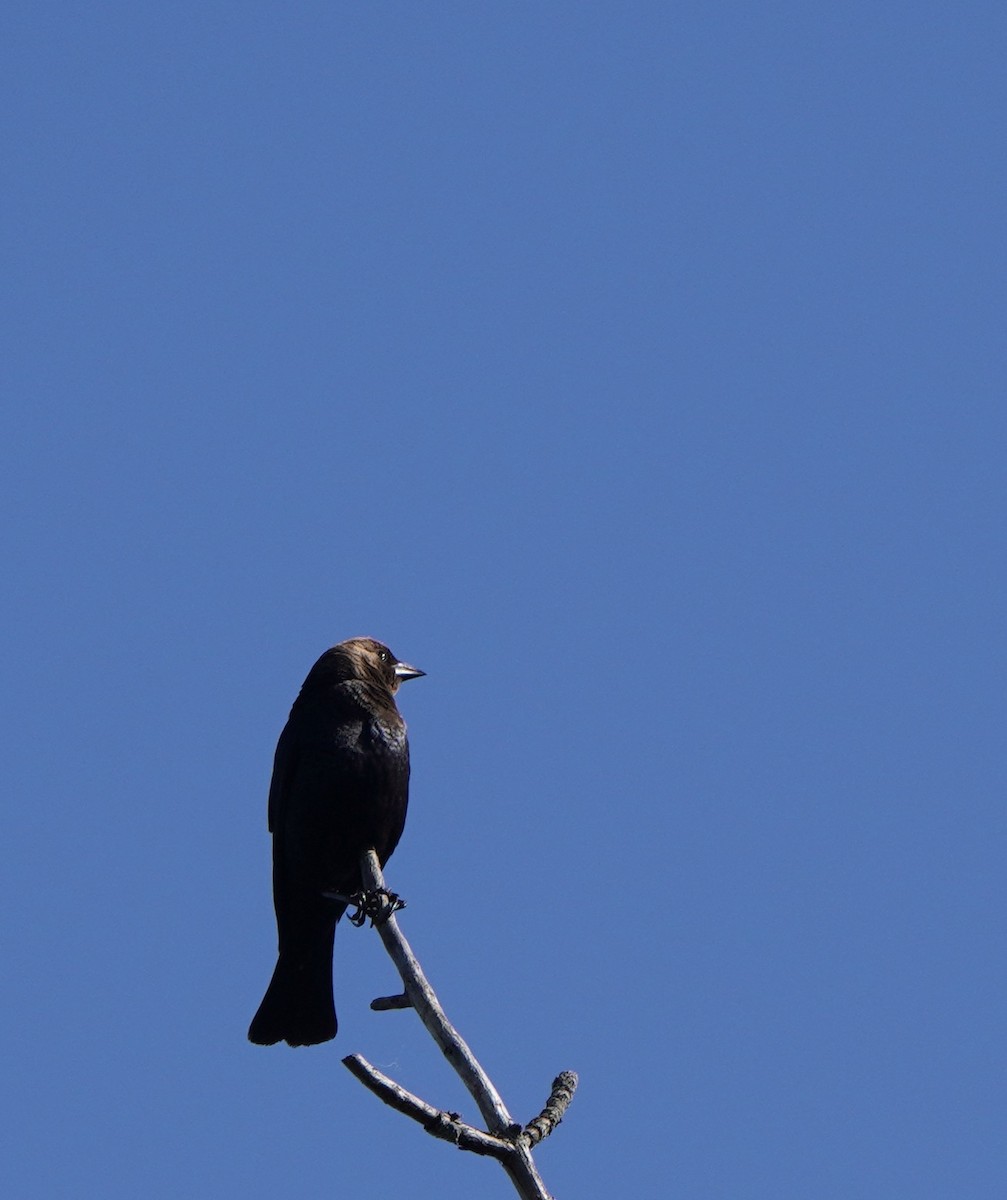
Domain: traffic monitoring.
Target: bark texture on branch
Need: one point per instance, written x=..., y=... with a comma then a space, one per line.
x=563, y=1088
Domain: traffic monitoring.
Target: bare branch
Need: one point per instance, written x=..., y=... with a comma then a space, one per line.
x=447, y=1126
x=505, y=1141
x=494, y=1111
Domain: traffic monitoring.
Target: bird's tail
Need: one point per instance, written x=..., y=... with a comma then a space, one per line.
x=298, y=1007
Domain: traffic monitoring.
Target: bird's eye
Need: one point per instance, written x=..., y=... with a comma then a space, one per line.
x=383, y=655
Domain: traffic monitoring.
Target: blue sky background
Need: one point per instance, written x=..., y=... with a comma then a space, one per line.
x=638, y=371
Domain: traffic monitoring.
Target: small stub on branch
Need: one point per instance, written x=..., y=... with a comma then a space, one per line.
x=387, y=1003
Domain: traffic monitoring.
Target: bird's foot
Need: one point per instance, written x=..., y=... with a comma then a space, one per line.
x=376, y=905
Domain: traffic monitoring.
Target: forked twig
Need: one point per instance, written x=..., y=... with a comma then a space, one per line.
x=505, y=1141
x=448, y=1126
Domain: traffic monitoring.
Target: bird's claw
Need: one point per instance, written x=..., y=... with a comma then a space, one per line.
x=376, y=905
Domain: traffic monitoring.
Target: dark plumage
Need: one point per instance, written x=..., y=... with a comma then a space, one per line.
x=340, y=785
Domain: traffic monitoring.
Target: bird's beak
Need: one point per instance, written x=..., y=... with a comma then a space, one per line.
x=405, y=671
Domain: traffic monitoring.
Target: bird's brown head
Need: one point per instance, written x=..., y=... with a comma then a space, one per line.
x=363, y=659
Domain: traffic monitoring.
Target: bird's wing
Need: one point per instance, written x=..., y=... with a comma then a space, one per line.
x=283, y=769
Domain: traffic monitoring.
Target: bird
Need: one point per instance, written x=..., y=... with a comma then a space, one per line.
x=340, y=785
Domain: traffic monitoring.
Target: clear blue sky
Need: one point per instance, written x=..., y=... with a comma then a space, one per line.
x=638, y=371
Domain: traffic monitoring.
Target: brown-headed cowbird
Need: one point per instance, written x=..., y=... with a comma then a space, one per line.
x=340, y=785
